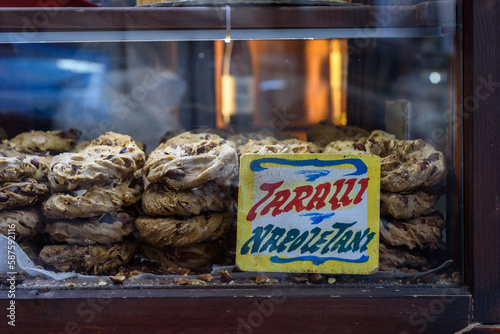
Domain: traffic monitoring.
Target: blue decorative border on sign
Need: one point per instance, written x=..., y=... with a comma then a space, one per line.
x=256, y=165
x=316, y=260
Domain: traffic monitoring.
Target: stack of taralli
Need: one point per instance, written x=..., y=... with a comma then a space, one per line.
x=412, y=176
x=187, y=199
x=91, y=210
x=24, y=166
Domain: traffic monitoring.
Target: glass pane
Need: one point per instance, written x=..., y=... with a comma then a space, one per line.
x=376, y=92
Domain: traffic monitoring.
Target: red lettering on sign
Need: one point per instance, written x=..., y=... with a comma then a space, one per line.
x=334, y=201
x=301, y=193
x=345, y=200
x=364, y=185
x=278, y=200
x=270, y=188
x=315, y=197
x=322, y=191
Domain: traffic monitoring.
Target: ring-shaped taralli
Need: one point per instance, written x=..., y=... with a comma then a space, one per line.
x=90, y=258
x=53, y=141
x=241, y=139
x=115, y=139
x=22, y=193
x=345, y=147
x=159, y=200
x=255, y=145
x=16, y=168
x=422, y=232
x=411, y=164
x=106, y=229
x=188, y=166
x=170, y=231
x=189, y=137
x=272, y=145
x=95, y=201
x=395, y=257
x=8, y=151
x=95, y=165
x=406, y=206
x=325, y=132
x=374, y=144
x=405, y=164
x=27, y=222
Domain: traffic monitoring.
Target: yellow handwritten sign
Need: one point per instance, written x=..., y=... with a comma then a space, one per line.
x=308, y=213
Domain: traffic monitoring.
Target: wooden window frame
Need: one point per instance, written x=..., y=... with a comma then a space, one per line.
x=311, y=309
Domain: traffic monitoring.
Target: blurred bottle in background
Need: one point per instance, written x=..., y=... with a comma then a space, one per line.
x=272, y=86
x=237, y=86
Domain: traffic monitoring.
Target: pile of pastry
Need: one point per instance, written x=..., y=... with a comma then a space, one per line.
x=412, y=177
x=24, y=167
x=186, y=202
x=90, y=208
x=105, y=201
x=82, y=204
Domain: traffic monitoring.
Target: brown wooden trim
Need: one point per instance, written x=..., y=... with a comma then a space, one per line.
x=43, y=19
x=467, y=130
x=264, y=310
x=485, y=329
x=121, y=18
x=482, y=156
x=324, y=17
x=438, y=13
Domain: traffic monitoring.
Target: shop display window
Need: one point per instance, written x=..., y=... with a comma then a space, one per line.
x=125, y=195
